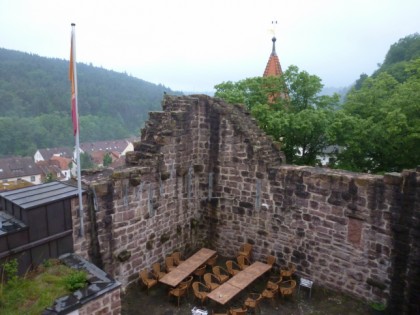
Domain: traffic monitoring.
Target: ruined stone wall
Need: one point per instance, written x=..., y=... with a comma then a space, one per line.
x=333, y=225
x=204, y=174
x=109, y=303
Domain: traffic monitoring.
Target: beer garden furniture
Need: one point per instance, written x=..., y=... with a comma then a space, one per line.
x=232, y=267
x=287, y=288
x=245, y=250
x=221, y=273
x=226, y=291
x=270, y=291
x=200, y=291
x=211, y=281
x=287, y=272
x=253, y=301
x=157, y=272
x=179, y=291
x=306, y=283
x=148, y=281
x=186, y=268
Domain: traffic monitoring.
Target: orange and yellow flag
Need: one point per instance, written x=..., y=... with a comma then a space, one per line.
x=73, y=80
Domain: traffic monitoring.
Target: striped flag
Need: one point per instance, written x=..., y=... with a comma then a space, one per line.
x=73, y=80
x=75, y=118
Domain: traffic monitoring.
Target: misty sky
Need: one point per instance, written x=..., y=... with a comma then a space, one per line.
x=192, y=45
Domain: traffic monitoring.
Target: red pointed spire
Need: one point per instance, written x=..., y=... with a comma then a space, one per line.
x=273, y=67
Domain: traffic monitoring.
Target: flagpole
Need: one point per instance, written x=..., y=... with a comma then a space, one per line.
x=75, y=117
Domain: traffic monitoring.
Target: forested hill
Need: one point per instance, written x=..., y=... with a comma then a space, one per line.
x=35, y=103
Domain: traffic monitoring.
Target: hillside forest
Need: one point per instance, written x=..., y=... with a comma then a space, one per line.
x=376, y=128
x=35, y=103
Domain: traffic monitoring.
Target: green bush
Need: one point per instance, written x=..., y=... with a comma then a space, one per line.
x=76, y=280
x=378, y=306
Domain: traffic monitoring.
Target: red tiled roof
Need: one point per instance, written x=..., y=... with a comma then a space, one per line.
x=63, y=162
x=273, y=67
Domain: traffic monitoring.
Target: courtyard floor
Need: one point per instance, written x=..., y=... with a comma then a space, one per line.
x=322, y=302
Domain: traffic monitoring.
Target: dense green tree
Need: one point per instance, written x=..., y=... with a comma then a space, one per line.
x=381, y=129
x=86, y=161
x=107, y=159
x=398, y=55
x=359, y=82
x=50, y=177
x=289, y=108
x=406, y=49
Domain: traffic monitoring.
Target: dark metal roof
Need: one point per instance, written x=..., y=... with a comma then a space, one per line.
x=34, y=196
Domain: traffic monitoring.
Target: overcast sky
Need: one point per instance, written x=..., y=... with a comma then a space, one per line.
x=192, y=45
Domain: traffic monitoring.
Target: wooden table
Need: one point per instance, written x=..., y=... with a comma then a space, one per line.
x=174, y=277
x=225, y=292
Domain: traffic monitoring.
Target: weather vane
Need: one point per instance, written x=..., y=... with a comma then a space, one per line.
x=273, y=28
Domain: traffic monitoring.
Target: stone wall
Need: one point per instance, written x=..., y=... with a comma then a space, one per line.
x=204, y=174
x=333, y=225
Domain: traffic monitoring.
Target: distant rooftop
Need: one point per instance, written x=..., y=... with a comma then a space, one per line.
x=15, y=167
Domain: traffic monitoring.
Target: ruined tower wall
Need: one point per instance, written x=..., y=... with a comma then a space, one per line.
x=204, y=174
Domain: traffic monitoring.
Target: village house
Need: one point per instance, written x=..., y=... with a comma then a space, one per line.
x=56, y=168
x=58, y=161
x=48, y=153
x=98, y=149
x=15, y=171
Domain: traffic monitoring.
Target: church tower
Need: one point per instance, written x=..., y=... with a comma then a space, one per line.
x=273, y=67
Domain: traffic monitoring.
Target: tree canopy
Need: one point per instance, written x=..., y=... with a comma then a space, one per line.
x=289, y=108
x=382, y=130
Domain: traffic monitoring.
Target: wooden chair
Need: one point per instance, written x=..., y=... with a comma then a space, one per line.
x=277, y=279
x=157, y=272
x=246, y=250
x=243, y=262
x=288, y=271
x=177, y=258
x=270, y=291
x=238, y=311
x=218, y=313
x=253, y=301
x=179, y=291
x=147, y=280
x=211, y=281
x=188, y=281
x=271, y=260
x=232, y=267
x=212, y=261
x=200, y=291
x=287, y=288
x=200, y=271
x=169, y=263
x=221, y=273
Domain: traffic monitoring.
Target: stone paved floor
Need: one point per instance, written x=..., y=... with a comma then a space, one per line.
x=323, y=302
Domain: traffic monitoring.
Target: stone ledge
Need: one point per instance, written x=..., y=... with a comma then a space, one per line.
x=100, y=283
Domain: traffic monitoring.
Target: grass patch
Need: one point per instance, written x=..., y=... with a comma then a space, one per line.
x=39, y=289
